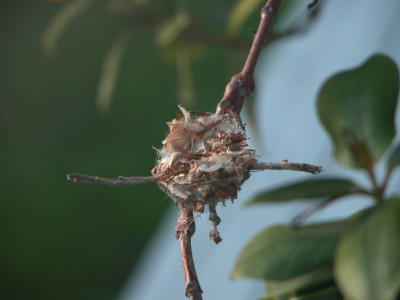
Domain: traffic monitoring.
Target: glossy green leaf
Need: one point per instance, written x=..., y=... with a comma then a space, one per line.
x=367, y=265
x=394, y=158
x=304, y=283
x=241, y=11
x=306, y=189
x=60, y=23
x=357, y=109
x=109, y=74
x=282, y=252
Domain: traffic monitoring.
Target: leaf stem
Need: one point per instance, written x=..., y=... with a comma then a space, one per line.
x=386, y=179
x=377, y=190
x=300, y=218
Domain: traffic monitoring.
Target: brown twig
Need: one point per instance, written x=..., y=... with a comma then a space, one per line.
x=185, y=228
x=242, y=84
x=285, y=165
x=110, y=181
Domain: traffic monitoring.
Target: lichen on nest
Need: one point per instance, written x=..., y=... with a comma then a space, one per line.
x=204, y=159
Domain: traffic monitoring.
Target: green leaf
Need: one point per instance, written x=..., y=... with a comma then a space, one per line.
x=60, y=23
x=282, y=252
x=306, y=189
x=331, y=293
x=109, y=73
x=367, y=265
x=304, y=283
x=394, y=158
x=357, y=109
x=241, y=11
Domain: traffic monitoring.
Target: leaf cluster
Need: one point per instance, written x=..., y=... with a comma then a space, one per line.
x=357, y=258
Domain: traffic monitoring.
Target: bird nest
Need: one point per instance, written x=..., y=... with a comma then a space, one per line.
x=204, y=159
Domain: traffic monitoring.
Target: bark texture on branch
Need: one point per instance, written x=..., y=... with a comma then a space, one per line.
x=242, y=84
x=286, y=165
x=119, y=181
x=185, y=228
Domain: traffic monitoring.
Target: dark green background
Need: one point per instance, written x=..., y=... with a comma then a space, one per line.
x=60, y=240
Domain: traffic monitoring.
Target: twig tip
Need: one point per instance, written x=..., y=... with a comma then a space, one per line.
x=71, y=177
x=317, y=170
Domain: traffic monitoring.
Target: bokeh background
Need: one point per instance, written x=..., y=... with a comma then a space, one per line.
x=60, y=240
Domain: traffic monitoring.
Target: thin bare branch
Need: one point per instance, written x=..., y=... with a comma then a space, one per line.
x=286, y=165
x=268, y=14
x=110, y=181
x=242, y=84
x=185, y=228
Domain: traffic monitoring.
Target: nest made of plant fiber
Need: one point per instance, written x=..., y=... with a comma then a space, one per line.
x=204, y=159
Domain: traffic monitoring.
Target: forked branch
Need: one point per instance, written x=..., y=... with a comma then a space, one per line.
x=242, y=84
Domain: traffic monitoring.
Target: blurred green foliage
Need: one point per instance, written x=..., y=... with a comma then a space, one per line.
x=60, y=240
x=357, y=108
x=357, y=258
x=301, y=250
x=306, y=189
